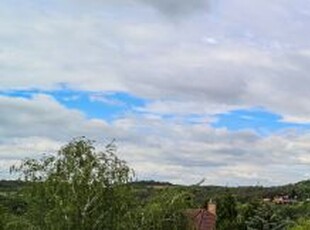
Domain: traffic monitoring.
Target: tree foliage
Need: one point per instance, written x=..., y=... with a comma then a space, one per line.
x=81, y=189
x=265, y=217
x=78, y=188
x=227, y=213
x=302, y=224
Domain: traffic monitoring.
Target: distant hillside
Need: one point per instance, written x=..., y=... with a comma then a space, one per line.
x=243, y=193
x=11, y=185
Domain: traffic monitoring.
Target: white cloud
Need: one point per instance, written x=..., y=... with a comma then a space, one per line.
x=156, y=148
x=101, y=48
x=105, y=99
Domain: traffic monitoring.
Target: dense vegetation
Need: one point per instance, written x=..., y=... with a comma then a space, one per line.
x=79, y=188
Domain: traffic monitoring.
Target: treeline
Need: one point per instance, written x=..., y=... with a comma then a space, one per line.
x=300, y=190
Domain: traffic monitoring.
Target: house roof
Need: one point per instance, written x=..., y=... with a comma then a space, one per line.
x=201, y=219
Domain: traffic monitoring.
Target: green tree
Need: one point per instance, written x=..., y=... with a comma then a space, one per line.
x=266, y=218
x=78, y=188
x=303, y=224
x=81, y=189
x=165, y=210
x=246, y=211
x=227, y=213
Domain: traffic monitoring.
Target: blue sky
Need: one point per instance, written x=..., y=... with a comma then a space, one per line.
x=191, y=88
x=107, y=105
x=112, y=105
x=257, y=119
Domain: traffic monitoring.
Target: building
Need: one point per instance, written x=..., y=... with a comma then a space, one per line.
x=203, y=218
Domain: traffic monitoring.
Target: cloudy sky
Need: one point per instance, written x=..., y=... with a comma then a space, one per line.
x=194, y=89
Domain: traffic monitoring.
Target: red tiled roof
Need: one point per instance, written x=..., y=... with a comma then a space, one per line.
x=201, y=219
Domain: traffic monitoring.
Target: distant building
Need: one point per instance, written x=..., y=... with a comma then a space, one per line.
x=283, y=200
x=267, y=200
x=202, y=219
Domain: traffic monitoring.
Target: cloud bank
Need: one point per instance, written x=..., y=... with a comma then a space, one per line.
x=154, y=147
x=184, y=58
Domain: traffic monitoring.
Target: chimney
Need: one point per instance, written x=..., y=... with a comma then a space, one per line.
x=212, y=207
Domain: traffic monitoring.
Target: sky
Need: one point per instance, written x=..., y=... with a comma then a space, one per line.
x=194, y=89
